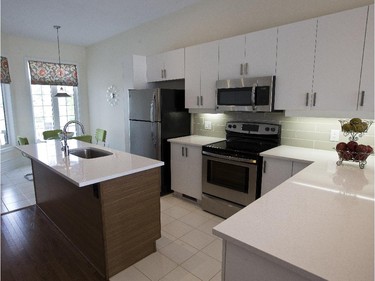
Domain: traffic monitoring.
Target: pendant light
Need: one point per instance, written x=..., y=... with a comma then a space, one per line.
x=60, y=92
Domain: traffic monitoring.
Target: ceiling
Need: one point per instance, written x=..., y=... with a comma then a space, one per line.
x=96, y=19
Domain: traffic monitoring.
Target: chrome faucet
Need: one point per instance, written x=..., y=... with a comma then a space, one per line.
x=65, y=146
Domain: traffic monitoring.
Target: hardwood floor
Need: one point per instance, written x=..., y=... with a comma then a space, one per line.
x=33, y=249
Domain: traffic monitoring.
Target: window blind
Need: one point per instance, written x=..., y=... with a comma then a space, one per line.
x=5, y=76
x=49, y=73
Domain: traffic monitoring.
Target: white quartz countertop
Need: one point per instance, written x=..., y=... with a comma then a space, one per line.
x=301, y=154
x=82, y=171
x=319, y=222
x=195, y=140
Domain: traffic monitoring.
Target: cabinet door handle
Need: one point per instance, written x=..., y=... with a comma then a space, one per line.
x=307, y=99
x=165, y=73
x=264, y=166
x=162, y=74
x=198, y=100
x=241, y=69
x=362, y=102
x=314, y=99
x=246, y=68
x=182, y=151
x=186, y=152
x=201, y=100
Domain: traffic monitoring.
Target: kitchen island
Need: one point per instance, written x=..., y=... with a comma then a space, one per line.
x=108, y=207
x=317, y=225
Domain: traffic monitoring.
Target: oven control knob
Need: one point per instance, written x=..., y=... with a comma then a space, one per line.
x=234, y=126
x=273, y=129
x=267, y=129
x=229, y=126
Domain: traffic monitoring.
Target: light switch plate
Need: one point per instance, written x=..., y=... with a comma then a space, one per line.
x=335, y=135
x=207, y=125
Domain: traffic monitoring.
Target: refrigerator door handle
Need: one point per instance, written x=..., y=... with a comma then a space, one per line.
x=153, y=134
x=152, y=109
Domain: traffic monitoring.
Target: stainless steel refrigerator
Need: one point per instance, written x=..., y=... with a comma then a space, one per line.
x=156, y=115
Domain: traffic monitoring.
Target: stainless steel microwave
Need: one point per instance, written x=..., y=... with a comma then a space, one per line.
x=246, y=94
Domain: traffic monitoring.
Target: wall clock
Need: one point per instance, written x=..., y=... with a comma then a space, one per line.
x=112, y=95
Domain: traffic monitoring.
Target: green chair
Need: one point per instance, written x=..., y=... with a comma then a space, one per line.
x=100, y=136
x=85, y=138
x=51, y=134
x=25, y=141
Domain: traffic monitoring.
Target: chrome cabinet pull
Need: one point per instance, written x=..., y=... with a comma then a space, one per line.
x=241, y=69
x=362, y=102
x=198, y=100
x=201, y=100
x=162, y=74
x=165, y=73
x=307, y=99
x=246, y=68
x=314, y=99
x=264, y=166
x=182, y=149
x=186, y=152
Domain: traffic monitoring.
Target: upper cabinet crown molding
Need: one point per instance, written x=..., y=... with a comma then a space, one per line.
x=166, y=66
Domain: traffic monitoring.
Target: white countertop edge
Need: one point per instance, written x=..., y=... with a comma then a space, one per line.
x=195, y=140
x=118, y=175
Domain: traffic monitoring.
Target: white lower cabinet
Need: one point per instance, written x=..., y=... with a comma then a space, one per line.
x=186, y=170
x=276, y=171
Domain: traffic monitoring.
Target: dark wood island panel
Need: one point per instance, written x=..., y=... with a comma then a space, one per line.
x=113, y=223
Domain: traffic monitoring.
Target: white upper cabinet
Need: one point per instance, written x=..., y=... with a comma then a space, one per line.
x=166, y=66
x=339, y=50
x=201, y=74
x=366, y=90
x=295, y=65
x=260, y=57
x=319, y=65
x=249, y=55
x=232, y=57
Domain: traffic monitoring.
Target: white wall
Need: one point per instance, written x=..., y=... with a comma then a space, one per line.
x=18, y=51
x=203, y=22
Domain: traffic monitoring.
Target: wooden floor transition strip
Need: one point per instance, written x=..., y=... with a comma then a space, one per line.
x=33, y=249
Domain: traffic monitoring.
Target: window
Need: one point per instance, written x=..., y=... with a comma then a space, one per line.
x=6, y=121
x=50, y=112
x=4, y=129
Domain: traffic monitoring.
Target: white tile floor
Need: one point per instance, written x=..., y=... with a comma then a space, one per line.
x=187, y=250
x=16, y=191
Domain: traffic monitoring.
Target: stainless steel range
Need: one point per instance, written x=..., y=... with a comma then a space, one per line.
x=232, y=169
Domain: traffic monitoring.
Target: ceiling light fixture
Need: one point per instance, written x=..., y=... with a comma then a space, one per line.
x=60, y=92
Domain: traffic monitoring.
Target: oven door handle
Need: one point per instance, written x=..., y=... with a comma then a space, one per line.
x=230, y=158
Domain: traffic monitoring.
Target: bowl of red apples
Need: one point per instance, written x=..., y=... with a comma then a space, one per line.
x=352, y=151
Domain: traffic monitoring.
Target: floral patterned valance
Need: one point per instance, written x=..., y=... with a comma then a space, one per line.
x=49, y=73
x=5, y=76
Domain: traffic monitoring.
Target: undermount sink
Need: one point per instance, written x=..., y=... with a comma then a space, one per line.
x=89, y=152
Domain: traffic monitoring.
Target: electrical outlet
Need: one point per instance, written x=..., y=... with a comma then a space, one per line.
x=207, y=125
x=335, y=135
